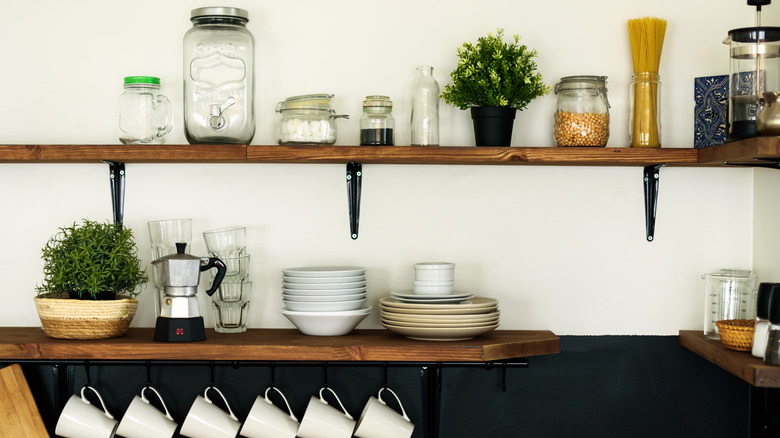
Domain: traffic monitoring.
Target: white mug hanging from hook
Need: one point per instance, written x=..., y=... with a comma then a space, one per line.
x=219, y=77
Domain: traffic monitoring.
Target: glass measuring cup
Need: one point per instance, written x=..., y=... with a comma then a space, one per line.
x=728, y=294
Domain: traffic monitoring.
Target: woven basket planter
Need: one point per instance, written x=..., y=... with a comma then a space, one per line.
x=65, y=318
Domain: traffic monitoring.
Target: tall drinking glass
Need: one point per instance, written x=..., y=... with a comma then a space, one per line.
x=164, y=236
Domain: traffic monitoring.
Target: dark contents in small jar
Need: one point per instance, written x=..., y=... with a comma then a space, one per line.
x=376, y=137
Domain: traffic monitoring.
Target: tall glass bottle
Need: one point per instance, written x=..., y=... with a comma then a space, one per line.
x=425, y=108
x=219, y=84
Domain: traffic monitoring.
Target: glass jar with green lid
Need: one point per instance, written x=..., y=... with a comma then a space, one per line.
x=144, y=113
x=377, y=123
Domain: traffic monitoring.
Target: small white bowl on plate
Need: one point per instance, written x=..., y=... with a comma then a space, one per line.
x=434, y=271
x=326, y=323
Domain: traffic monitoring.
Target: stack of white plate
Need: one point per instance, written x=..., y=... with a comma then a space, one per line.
x=324, y=300
x=432, y=321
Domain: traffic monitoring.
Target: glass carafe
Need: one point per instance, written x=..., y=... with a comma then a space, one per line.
x=219, y=77
x=754, y=53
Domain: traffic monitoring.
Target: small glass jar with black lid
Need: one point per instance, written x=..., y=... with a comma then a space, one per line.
x=377, y=123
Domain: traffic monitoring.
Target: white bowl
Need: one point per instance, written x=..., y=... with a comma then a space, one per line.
x=323, y=298
x=357, y=290
x=433, y=290
x=323, y=286
x=434, y=271
x=326, y=323
x=433, y=283
x=332, y=306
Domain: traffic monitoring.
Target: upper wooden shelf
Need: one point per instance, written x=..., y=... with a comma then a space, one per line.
x=30, y=343
x=741, y=152
x=741, y=364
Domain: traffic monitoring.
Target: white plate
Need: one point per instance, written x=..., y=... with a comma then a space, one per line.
x=324, y=271
x=440, y=334
x=334, y=306
x=323, y=298
x=401, y=317
x=439, y=325
x=474, y=305
x=357, y=290
x=406, y=296
x=319, y=286
x=321, y=280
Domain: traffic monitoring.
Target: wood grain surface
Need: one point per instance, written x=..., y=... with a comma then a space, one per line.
x=19, y=416
x=30, y=343
x=740, y=363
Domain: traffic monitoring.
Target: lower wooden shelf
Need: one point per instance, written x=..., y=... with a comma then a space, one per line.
x=741, y=364
x=30, y=343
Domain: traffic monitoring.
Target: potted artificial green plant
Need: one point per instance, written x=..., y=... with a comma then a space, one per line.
x=494, y=79
x=91, y=275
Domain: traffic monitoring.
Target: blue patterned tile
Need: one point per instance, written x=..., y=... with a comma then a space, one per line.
x=711, y=97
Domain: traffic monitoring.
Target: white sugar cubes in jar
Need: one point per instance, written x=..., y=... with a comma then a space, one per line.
x=582, y=111
x=307, y=119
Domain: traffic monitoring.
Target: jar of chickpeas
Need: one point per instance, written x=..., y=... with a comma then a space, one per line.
x=582, y=112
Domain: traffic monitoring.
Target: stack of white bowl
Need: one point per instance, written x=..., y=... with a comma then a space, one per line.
x=324, y=300
x=434, y=278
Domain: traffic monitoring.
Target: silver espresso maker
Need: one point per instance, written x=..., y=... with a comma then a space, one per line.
x=180, y=318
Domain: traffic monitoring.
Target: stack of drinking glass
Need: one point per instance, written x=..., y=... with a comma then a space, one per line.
x=231, y=300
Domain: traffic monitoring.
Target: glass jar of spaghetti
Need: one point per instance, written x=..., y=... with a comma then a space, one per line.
x=582, y=112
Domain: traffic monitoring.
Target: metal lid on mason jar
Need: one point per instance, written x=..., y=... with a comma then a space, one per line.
x=581, y=82
x=220, y=11
x=377, y=101
x=306, y=101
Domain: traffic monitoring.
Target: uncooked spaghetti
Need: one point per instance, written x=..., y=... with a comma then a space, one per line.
x=647, y=40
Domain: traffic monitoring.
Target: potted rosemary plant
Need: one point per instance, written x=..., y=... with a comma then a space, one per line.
x=91, y=275
x=494, y=80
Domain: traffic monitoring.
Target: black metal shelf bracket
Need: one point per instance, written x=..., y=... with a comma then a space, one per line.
x=116, y=179
x=354, y=183
x=651, y=178
x=768, y=163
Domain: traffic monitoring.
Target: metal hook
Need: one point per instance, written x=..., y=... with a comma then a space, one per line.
x=211, y=365
x=325, y=374
x=273, y=378
x=148, y=373
x=89, y=379
x=385, y=373
x=503, y=377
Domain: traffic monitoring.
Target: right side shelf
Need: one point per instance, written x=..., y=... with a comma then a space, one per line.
x=740, y=363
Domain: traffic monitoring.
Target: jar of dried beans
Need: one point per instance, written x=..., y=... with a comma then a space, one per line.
x=582, y=112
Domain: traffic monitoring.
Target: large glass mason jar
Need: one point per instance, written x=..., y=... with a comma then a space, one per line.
x=219, y=84
x=582, y=111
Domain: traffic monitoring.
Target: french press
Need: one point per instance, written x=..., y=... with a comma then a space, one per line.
x=754, y=53
x=180, y=318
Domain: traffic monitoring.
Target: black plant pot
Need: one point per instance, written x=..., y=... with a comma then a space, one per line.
x=493, y=125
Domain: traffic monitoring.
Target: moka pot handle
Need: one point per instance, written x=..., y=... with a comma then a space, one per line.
x=221, y=270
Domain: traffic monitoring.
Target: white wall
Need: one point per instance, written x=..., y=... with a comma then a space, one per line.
x=563, y=248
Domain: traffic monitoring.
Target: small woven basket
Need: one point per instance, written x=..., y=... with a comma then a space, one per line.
x=65, y=318
x=737, y=334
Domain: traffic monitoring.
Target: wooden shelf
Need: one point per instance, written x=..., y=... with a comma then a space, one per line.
x=741, y=152
x=30, y=343
x=741, y=364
